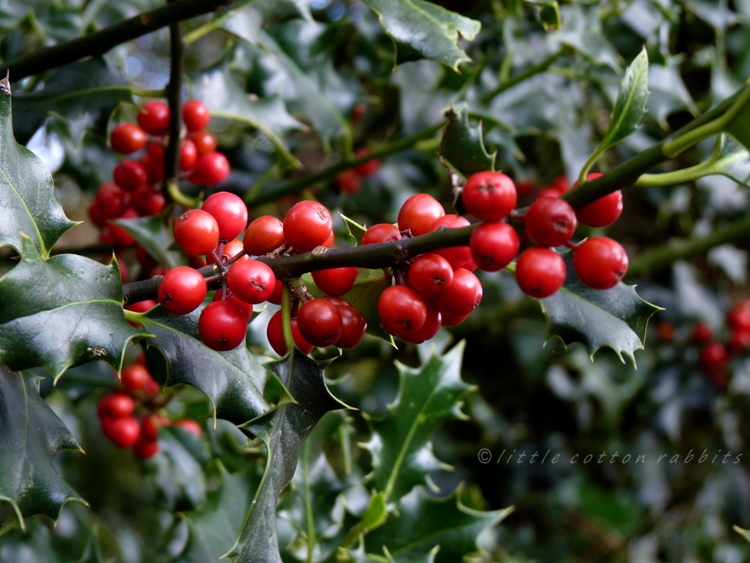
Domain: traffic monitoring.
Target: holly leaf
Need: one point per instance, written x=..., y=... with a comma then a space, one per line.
x=82, y=94
x=423, y=523
x=80, y=321
x=31, y=437
x=582, y=30
x=226, y=99
x=401, y=444
x=423, y=30
x=356, y=231
x=739, y=126
x=233, y=381
x=28, y=203
x=730, y=159
x=283, y=433
x=155, y=235
x=462, y=146
x=668, y=92
x=549, y=13
x=616, y=318
x=744, y=533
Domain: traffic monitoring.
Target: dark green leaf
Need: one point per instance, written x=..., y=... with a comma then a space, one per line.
x=462, y=145
x=284, y=435
x=83, y=94
x=401, y=444
x=61, y=312
x=668, y=92
x=32, y=435
x=582, y=30
x=423, y=523
x=730, y=159
x=422, y=29
x=616, y=318
x=549, y=13
x=28, y=203
x=233, y=381
x=739, y=125
x=154, y=233
x=179, y=473
x=224, y=97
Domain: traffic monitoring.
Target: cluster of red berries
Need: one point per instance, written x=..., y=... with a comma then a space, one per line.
x=349, y=181
x=132, y=193
x=124, y=425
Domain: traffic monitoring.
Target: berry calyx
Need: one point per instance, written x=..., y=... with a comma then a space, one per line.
x=251, y=281
x=196, y=232
x=489, y=196
x=336, y=281
x=263, y=236
x=540, y=272
x=127, y=138
x=430, y=274
x=600, y=262
x=550, y=221
x=230, y=213
x=195, y=115
x=222, y=326
x=402, y=311
x=307, y=225
x=494, y=245
x=319, y=322
x=418, y=213
x=182, y=290
x=154, y=117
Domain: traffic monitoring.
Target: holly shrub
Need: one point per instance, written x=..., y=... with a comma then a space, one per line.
x=367, y=281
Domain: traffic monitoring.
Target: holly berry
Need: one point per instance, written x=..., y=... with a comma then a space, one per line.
x=458, y=256
x=462, y=295
x=319, y=322
x=123, y=432
x=383, y=232
x=154, y=117
x=489, y=196
x=230, y=213
x=701, y=333
x=222, y=326
x=430, y=274
x=121, y=236
x=189, y=425
x=182, y=290
x=714, y=356
x=154, y=168
x=135, y=377
x=402, y=311
x=251, y=281
x=148, y=201
x=211, y=169
x=204, y=142
x=196, y=232
x=116, y=406
x=246, y=308
x=111, y=200
x=353, y=325
x=429, y=329
x=130, y=175
x=418, y=213
x=307, y=225
x=738, y=317
x=127, y=138
x=275, y=335
x=452, y=320
x=145, y=448
x=550, y=221
x=603, y=212
x=349, y=182
x=277, y=294
x=263, y=236
x=188, y=154
x=739, y=340
x=540, y=272
x=195, y=115
x=494, y=245
x=368, y=168
x=600, y=262
x=336, y=281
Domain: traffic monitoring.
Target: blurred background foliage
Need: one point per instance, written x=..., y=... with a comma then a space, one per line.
x=324, y=73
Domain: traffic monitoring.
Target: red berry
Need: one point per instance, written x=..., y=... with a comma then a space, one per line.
x=251, y=281
x=145, y=448
x=148, y=201
x=550, y=221
x=383, y=232
x=738, y=317
x=277, y=294
x=494, y=245
x=739, y=340
x=402, y=311
x=111, y=200
x=204, y=142
x=196, y=232
x=714, y=356
x=154, y=168
x=230, y=250
x=230, y=213
x=358, y=113
x=338, y=301
x=211, y=169
x=458, y=256
x=123, y=432
x=600, y=262
x=182, y=290
x=418, y=213
x=188, y=155
x=116, y=406
x=96, y=215
x=263, y=236
x=701, y=333
x=276, y=336
x=142, y=306
x=130, y=175
x=524, y=188
x=307, y=225
x=666, y=331
x=462, y=295
x=189, y=425
x=353, y=326
x=222, y=326
x=195, y=115
x=154, y=117
x=540, y=272
x=602, y=212
x=452, y=320
x=429, y=329
x=127, y=138
x=368, y=168
x=134, y=377
x=246, y=308
x=150, y=426
x=489, y=196
x=120, y=235
x=319, y=322
x=336, y=281
x=430, y=274
x=349, y=182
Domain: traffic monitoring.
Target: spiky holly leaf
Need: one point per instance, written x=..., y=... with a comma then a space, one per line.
x=284, y=433
x=731, y=159
x=401, y=444
x=744, y=533
x=424, y=30
x=31, y=437
x=462, y=146
x=154, y=233
x=356, y=231
x=233, y=381
x=83, y=94
x=224, y=97
x=423, y=523
x=61, y=312
x=616, y=318
x=739, y=126
x=28, y=203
